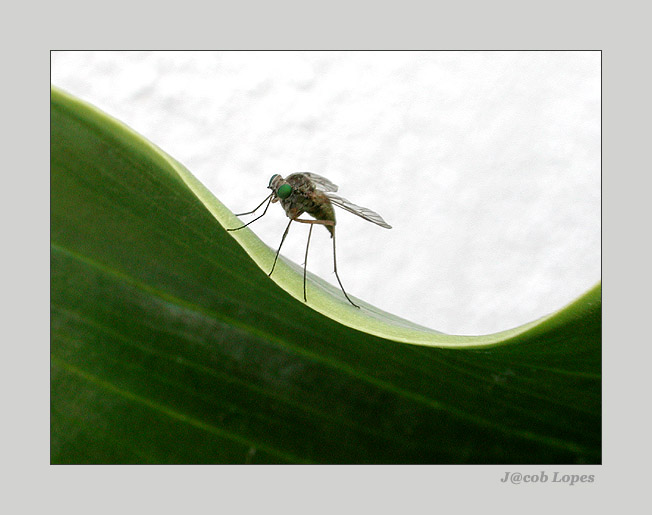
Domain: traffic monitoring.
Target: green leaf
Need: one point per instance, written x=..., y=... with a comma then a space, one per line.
x=170, y=344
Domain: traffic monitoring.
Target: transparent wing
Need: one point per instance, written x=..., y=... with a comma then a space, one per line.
x=362, y=212
x=321, y=183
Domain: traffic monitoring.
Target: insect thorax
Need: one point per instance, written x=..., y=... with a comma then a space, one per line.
x=305, y=198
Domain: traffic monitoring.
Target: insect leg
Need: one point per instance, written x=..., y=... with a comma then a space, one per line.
x=268, y=200
x=256, y=208
x=279, y=247
x=331, y=223
x=338, y=277
x=313, y=222
x=305, y=265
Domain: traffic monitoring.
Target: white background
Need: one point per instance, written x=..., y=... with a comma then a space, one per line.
x=486, y=164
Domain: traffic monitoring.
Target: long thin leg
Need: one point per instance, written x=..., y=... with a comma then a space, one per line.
x=256, y=208
x=331, y=223
x=305, y=265
x=314, y=222
x=268, y=200
x=338, y=277
x=279, y=247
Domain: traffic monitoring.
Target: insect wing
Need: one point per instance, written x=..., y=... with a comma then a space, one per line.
x=362, y=212
x=321, y=183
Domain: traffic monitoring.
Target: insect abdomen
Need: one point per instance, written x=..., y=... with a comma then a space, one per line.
x=323, y=210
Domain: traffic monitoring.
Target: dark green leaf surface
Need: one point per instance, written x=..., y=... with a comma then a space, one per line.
x=170, y=344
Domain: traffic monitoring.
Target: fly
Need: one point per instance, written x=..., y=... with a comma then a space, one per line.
x=315, y=195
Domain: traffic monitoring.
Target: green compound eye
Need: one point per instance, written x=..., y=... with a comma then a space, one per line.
x=284, y=191
x=271, y=179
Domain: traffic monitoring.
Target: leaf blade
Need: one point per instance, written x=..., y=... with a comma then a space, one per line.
x=152, y=298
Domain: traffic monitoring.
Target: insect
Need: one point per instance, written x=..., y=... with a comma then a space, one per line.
x=313, y=194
